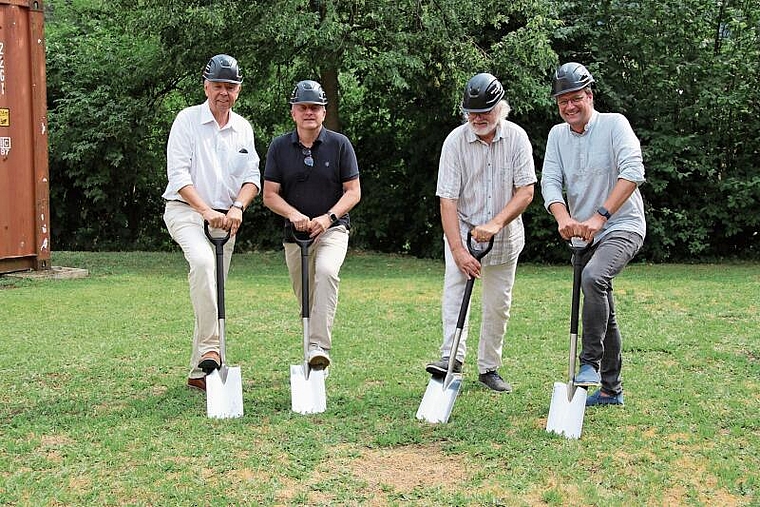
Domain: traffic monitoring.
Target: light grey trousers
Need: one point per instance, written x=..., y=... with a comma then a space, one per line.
x=496, y=300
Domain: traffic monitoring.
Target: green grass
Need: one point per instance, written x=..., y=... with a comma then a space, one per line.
x=95, y=410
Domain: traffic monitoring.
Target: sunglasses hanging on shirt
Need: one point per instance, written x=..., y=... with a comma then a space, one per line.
x=308, y=161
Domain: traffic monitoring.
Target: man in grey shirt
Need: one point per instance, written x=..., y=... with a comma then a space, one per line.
x=596, y=158
x=485, y=181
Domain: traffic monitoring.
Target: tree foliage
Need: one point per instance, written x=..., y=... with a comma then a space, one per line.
x=692, y=93
x=118, y=72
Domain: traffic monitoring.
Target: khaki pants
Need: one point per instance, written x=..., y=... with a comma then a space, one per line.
x=186, y=228
x=326, y=256
x=496, y=300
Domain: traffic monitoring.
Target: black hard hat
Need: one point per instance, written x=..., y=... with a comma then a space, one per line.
x=308, y=92
x=482, y=93
x=223, y=69
x=571, y=77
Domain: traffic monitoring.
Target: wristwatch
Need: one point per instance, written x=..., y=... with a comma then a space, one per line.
x=333, y=217
x=239, y=205
x=604, y=212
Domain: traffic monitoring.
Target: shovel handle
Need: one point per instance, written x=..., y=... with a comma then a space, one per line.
x=218, y=242
x=303, y=240
x=478, y=253
x=578, y=252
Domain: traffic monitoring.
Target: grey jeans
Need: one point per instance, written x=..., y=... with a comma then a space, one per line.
x=602, y=342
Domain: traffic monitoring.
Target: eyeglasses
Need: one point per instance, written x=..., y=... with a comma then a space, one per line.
x=486, y=114
x=308, y=160
x=576, y=101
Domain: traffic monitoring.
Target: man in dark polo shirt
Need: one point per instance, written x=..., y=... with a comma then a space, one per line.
x=312, y=180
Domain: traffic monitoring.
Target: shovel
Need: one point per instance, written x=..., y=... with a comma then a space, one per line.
x=441, y=394
x=224, y=386
x=307, y=385
x=568, y=404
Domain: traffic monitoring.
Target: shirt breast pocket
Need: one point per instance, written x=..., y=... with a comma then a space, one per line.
x=239, y=162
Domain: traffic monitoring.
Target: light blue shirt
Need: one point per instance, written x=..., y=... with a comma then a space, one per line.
x=587, y=166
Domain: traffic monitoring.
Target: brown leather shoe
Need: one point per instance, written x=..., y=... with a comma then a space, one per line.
x=197, y=383
x=210, y=361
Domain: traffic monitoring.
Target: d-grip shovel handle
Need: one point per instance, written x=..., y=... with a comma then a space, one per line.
x=578, y=252
x=218, y=242
x=574, y=310
x=304, y=240
x=478, y=254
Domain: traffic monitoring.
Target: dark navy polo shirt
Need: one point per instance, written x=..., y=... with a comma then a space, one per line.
x=312, y=190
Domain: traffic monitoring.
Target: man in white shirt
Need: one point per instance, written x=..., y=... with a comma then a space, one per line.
x=485, y=182
x=213, y=172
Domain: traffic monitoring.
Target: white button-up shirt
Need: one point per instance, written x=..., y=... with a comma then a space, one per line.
x=216, y=161
x=483, y=178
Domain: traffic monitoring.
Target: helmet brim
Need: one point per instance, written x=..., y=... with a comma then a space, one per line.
x=231, y=81
x=572, y=89
x=488, y=110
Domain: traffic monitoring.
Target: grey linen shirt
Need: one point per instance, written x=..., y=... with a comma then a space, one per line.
x=483, y=178
x=589, y=165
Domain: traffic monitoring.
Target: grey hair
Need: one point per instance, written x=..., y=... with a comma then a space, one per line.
x=503, y=113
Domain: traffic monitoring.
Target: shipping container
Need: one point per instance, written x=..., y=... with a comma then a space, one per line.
x=24, y=185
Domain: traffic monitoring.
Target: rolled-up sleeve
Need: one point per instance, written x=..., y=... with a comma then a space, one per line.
x=179, y=153
x=522, y=157
x=252, y=172
x=551, y=174
x=630, y=164
x=449, y=185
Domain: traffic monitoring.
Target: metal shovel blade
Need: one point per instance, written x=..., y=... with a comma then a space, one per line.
x=307, y=390
x=438, y=400
x=224, y=393
x=566, y=417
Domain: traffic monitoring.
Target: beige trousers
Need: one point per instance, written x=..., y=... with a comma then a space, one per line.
x=326, y=256
x=186, y=228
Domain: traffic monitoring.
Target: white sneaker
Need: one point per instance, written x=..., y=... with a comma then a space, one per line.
x=318, y=358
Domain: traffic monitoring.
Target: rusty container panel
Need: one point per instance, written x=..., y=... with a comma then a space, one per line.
x=24, y=190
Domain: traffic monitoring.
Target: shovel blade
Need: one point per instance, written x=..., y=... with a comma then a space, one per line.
x=308, y=395
x=566, y=417
x=224, y=393
x=438, y=401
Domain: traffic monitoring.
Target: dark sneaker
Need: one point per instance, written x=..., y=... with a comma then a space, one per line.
x=493, y=381
x=602, y=399
x=210, y=361
x=440, y=368
x=587, y=376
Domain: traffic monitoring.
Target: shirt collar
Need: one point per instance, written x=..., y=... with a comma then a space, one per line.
x=320, y=138
x=208, y=117
x=590, y=125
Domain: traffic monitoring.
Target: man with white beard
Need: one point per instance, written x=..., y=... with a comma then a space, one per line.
x=485, y=181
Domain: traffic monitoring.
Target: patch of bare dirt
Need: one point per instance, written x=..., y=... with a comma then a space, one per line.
x=380, y=474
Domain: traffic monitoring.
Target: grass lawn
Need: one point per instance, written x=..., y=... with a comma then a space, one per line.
x=94, y=409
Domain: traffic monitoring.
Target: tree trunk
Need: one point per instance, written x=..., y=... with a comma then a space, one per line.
x=329, y=82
